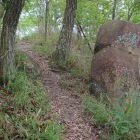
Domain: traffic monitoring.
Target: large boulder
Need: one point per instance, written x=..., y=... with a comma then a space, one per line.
x=24, y=60
x=114, y=72
x=122, y=34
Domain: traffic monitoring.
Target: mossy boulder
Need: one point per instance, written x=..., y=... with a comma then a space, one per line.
x=114, y=72
x=24, y=60
x=121, y=34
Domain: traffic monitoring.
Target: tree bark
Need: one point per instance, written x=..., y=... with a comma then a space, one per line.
x=2, y=10
x=114, y=9
x=7, y=54
x=78, y=31
x=46, y=18
x=64, y=42
x=129, y=15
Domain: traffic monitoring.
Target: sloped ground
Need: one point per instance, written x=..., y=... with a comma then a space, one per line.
x=65, y=105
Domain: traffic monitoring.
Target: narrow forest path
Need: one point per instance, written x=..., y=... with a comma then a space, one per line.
x=65, y=105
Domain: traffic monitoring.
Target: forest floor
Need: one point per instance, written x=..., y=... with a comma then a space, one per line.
x=66, y=104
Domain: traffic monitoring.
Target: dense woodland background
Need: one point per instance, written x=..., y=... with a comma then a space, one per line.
x=63, y=34
x=90, y=14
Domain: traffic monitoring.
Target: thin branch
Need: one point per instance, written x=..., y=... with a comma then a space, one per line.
x=78, y=23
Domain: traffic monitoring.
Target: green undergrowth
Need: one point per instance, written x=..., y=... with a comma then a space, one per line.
x=117, y=121
x=25, y=111
x=42, y=47
x=79, y=62
x=45, y=49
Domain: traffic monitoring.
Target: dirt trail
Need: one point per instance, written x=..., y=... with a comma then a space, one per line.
x=66, y=106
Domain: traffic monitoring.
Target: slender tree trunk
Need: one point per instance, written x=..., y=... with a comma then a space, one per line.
x=46, y=18
x=114, y=9
x=40, y=17
x=129, y=16
x=64, y=42
x=7, y=54
x=78, y=23
x=130, y=12
x=78, y=31
x=2, y=10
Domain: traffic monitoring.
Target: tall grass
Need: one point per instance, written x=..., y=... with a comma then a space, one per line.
x=79, y=61
x=120, y=121
x=24, y=111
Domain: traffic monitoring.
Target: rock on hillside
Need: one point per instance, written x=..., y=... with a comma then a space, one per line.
x=116, y=63
x=122, y=34
x=114, y=71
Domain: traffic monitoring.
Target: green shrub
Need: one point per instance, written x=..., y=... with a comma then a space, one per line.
x=78, y=64
x=39, y=45
x=44, y=50
x=121, y=121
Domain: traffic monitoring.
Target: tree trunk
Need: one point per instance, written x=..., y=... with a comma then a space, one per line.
x=7, y=54
x=2, y=10
x=84, y=35
x=114, y=9
x=78, y=31
x=133, y=8
x=129, y=15
x=46, y=18
x=64, y=42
